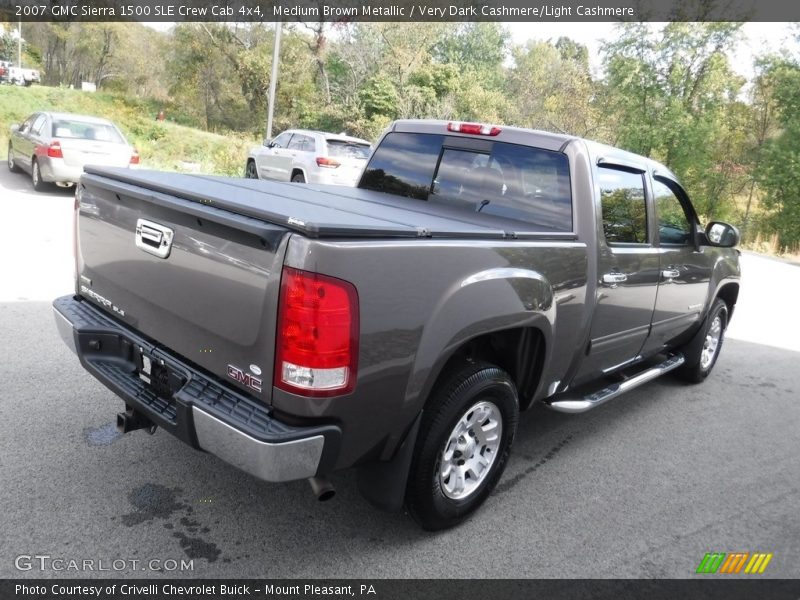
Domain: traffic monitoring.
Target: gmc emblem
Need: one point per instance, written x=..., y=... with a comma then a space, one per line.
x=247, y=380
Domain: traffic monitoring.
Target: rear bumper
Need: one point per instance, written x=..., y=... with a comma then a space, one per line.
x=205, y=413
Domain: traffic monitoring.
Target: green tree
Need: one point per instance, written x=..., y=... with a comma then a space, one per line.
x=779, y=168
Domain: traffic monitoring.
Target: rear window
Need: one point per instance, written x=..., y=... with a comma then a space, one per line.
x=507, y=181
x=344, y=149
x=83, y=130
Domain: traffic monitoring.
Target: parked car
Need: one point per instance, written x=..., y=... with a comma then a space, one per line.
x=18, y=75
x=401, y=326
x=304, y=156
x=54, y=147
x=5, y=71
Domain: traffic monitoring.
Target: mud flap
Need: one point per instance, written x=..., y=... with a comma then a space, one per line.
x=383, y=484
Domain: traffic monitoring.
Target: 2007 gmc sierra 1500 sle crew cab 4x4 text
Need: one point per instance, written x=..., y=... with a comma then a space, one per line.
x=398, y=327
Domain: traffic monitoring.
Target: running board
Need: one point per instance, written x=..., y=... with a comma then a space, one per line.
x=595, y=399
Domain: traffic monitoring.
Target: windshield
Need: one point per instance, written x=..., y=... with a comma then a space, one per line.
x=86, y=130
x=344, y=149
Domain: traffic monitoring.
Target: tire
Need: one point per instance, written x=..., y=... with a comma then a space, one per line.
x=12, y=165
x=298, y=178
x=699, y=364
x=436, y=497
x=250, y=171
x=36, y=177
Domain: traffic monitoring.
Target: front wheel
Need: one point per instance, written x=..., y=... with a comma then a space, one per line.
x=464, y=441
x=12, y=165
x=250, y=170
x=699, y=364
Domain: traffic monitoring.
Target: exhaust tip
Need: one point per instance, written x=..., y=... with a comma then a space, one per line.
x=322, y=488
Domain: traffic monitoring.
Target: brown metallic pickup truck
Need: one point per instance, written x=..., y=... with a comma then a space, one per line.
x=401, y=326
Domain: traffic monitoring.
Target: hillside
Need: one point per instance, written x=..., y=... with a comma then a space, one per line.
x=162, y=145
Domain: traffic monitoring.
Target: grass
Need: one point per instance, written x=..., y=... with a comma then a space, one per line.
x=162, y=145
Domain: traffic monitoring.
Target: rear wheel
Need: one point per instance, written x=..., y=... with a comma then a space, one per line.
x=463, y=444
x=699, y=364
x=250, y=170
x=12, y=165
x=36, y=177
x=298, y=178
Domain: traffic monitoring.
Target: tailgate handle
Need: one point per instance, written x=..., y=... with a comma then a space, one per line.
x=153, y=238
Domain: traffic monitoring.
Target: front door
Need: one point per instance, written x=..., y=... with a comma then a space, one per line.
x=685, y=269
x=628, y=271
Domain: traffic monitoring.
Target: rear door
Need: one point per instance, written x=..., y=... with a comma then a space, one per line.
x=269, y=159
x=24, y=146
x=300, y=153
x=685, y=269
x=628, y=268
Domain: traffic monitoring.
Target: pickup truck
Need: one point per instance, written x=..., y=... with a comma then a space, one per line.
x=19, y=76
x=398, y=327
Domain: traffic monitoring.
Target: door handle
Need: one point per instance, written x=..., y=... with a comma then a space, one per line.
x=614, y=278
x=670, y=273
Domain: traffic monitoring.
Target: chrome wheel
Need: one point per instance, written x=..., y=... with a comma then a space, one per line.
x=470, y=450
x=711, y=343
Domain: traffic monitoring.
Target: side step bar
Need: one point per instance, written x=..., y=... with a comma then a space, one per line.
x=595, y=399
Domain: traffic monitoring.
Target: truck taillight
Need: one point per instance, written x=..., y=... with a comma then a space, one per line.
x=54, y=150
x=330, y=163
x=316, y=352
x=473, y=128
x=135, y=157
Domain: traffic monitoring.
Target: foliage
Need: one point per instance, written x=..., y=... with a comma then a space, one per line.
x=162, y=145
x=664, y=91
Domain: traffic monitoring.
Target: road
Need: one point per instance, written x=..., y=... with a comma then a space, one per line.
x=642, y=487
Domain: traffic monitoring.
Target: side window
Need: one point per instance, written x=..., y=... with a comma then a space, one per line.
x=303, y=143
x=26, y=124
x=38, y=124
x=624, y=206
x=282, y=141
x=673, y=225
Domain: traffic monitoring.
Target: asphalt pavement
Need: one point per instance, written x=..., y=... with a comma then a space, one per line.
x=641, y=487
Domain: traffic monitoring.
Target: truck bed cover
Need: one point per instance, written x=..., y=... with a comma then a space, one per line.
x=314, y=210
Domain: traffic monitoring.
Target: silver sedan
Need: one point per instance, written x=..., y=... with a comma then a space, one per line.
x=54, y=147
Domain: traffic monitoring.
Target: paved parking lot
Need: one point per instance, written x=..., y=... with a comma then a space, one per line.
x=642, y=487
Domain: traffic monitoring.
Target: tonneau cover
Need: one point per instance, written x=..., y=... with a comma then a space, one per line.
x=314, y=210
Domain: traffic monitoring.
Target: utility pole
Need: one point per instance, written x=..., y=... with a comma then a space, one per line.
x=276, y=50
x=19, y=44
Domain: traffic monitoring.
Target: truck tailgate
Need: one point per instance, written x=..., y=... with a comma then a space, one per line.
x=199, y=280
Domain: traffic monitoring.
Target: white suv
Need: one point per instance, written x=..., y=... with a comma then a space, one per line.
x=304, y=156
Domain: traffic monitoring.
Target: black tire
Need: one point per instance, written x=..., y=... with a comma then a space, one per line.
x=298, y=178
x=12, y=165
x=250, y=171
x=428, y=499
x=36, y=177
x=700, y=359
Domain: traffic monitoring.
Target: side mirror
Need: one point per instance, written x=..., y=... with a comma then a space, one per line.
x=14, y=128
x=722, y=234
x=268, y=143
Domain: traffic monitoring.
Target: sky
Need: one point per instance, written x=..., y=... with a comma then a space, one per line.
x=758, y=38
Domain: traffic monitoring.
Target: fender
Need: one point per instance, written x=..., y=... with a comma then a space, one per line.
x=484, y=302
x=726, y=271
